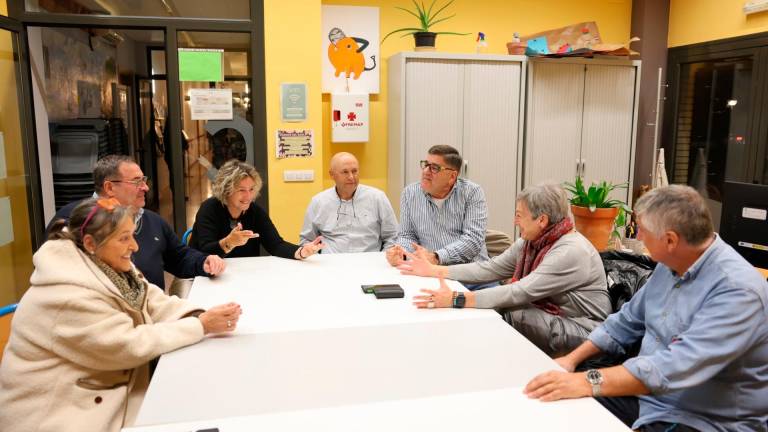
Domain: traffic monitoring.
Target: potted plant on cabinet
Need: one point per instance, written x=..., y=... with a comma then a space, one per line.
x=428, y=17
x=594, y=214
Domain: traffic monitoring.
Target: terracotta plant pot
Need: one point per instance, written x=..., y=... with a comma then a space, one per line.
x=425, y=41
x=595, y=226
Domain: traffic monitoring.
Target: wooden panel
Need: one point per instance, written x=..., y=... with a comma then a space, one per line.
x=433, y=109
x=555, y=100
x=607, y=133
x=491, y=133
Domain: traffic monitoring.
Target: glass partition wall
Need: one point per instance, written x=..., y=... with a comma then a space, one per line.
x=16, y=240
x=109, y=74
x=714, y=116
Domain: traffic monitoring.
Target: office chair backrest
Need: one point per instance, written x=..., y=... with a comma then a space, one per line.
x=186, y=236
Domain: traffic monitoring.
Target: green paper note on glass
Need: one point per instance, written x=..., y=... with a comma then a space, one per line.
x=201, y=65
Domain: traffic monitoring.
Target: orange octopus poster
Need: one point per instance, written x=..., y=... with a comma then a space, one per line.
x=350, y=49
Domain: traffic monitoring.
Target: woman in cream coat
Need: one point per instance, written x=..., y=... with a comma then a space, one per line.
x=84, y=332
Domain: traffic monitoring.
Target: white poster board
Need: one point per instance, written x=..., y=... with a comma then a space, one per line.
x=210, y=104
x=349, y=118
x=350, y=49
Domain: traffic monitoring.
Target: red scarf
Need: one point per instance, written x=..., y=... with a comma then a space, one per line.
x=534, y=251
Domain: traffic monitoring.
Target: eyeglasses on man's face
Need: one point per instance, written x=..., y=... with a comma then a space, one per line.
x=137, y=182
x=433, y=168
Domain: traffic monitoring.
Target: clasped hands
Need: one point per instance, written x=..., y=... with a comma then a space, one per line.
x=396, y=255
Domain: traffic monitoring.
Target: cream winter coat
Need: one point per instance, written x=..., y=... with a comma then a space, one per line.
x=77, y=358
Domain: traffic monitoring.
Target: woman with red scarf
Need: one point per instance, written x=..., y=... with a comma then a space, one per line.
x=556, y=292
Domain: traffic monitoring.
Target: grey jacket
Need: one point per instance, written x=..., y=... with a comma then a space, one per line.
x=571, y=275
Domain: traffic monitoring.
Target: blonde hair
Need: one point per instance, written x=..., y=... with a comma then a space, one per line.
x=229, y=176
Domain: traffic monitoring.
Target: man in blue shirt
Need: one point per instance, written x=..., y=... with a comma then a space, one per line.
x=442, y=217
x=703, y=321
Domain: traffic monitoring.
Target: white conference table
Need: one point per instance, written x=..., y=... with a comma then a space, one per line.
x=313, y=352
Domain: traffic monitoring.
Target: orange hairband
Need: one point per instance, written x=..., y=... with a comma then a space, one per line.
x=107, y=204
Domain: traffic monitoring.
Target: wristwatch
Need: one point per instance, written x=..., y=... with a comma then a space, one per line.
x=595, y=378
x=459, y=300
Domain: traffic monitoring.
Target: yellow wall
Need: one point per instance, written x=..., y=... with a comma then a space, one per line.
x=294, y=54
x=15, y=257
x=694, y=21
x=498, y=19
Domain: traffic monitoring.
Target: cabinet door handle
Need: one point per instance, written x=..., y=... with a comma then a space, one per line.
x=583, y=167
x=465, y=168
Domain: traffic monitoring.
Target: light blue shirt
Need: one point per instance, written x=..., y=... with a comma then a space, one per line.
x=366, y=223
x=454, y=230
x=704, y=353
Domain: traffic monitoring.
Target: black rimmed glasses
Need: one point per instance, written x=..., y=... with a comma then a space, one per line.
x=135, y=182
x=433, y=168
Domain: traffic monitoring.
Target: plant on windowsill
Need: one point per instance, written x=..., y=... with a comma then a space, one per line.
x=424, y=38
x=596, y=216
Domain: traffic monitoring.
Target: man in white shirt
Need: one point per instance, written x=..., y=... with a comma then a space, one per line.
x=349, y=216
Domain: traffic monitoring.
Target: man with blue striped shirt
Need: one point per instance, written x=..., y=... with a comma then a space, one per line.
x=702, y=318
x=443, y=217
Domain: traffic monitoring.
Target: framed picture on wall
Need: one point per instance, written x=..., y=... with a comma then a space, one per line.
x=350, y=49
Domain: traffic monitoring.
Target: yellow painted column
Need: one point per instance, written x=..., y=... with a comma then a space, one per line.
x=292, y=54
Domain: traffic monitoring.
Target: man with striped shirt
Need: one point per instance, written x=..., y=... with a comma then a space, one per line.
x=443, y=217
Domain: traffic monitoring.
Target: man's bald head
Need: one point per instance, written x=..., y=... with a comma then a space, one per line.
x=340, y=158
x=345, y=171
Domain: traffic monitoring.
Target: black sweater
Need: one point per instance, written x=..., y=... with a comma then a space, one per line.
x=212, y=224
x=159, y=248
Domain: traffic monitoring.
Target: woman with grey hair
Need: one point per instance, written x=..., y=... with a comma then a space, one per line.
x=88, y=326
x=231, y=225
x=556, y=292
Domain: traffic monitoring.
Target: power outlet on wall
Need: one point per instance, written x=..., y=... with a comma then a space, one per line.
x=298, y=175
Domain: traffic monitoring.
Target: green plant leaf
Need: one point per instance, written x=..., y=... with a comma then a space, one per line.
x=441, y=20
x=429, y=12
x=426, y=18
x=432, y=18
x=596, y=196
x=408, y=11
x=422, y=15
x=452, y=33
x=411, y=30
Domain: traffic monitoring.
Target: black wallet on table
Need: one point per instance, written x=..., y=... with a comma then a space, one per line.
x=388, y=291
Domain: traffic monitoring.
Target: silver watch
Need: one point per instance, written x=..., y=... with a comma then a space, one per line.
x=595, y=378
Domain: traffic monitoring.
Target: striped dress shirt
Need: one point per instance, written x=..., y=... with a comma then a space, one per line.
x=455, y=230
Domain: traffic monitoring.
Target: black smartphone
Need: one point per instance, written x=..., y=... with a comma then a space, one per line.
x=388, y=291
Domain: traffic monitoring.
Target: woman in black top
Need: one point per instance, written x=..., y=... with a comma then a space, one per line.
x=231, y=224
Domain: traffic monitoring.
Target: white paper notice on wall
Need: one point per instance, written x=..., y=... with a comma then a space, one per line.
x=6, y=228
x=349, y=118
x=754, y=213
x=3, y=168
x=211, y=104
